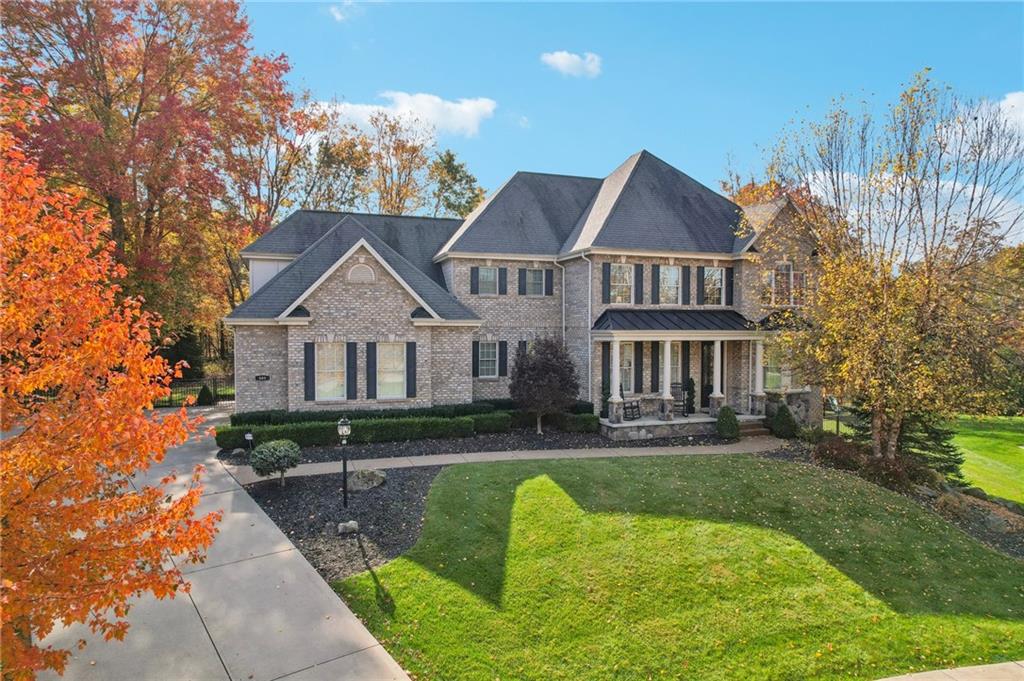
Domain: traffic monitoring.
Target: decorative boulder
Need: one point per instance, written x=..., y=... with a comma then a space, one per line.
x=359, y=481
x=238, y=451
x=348, y=527
x=976, y=492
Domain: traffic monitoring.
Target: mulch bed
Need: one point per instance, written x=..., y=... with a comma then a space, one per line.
x=489, y=442
x=308, y=510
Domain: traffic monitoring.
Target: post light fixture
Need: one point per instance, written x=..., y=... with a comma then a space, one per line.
x=344, y=430
x=248, y=439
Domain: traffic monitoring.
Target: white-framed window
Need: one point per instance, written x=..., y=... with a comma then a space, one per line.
x=330, y=371
x=775, y=376
x=621, y=283
x=676, y=361
x=488, y=360
x=714, y=286
x=487, y=281
x=390, y=371
x=669, y=281
x=534, y=282
x=784, y=285
x=626, y=368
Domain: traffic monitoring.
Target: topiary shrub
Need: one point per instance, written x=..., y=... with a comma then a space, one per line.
x=276, y=456
x=835, y=452
x=727, y=426
x=783, y=424
x=690, y=395
x=544, y=380
x=205, y=397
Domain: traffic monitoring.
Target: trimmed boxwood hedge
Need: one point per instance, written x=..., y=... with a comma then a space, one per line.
x=325, y=433
x=494, y=422
x=510, y=405
x=280, y=416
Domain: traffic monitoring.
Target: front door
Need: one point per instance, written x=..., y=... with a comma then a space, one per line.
x=707, y=361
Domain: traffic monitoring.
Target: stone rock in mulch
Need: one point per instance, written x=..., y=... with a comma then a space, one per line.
x=984, y=520
x=239, y=453
x=360, y=481
x=994, y=523
x=1011, y=506
x=976, y=492
x=348, y=527
x=925, y=491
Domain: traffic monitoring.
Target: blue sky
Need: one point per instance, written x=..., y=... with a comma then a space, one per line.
x=693, y=83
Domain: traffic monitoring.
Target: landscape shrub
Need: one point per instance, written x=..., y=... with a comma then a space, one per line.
x=501, y=403
x=814, y=435
x=582, y=407
x=205, y=397
x=276, y=456
x=494, y=422
x=782, y=424
x=279, y=416
x=951, y=505
x=896, y=474
x=305, y=434
x=727, y=425
x=325, y=433
x=835, y=452
x=578, y=423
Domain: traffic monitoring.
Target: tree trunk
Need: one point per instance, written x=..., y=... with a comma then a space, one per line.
x=539, y=418
x=115, y=209
x=282, y=478
x=892, y=445
x=876, y=434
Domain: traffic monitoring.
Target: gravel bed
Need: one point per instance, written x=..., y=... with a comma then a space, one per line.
x=308, y=510
x=489, y=442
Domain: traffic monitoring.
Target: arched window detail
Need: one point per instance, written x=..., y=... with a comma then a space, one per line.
x=361, y=274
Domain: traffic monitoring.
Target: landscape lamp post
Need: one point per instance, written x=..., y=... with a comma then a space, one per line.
x=248, y=439
x=344, y=430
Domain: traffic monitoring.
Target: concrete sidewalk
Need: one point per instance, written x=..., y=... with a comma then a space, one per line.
x=257, y=609
x=764, y=443
x=1006, y=671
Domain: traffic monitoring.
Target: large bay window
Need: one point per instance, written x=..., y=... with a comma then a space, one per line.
x=330, y=371
x=621, y=284
x=390, y=370
x=626, y=368
x=488, y=360
x=714, y=286
x=668, y=285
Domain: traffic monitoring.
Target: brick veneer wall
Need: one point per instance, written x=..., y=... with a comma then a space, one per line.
x=261, y=351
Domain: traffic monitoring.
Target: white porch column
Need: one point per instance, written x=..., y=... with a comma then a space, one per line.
x=666, y=370
x=716, y=371
x=759, y=367
x=616, y=387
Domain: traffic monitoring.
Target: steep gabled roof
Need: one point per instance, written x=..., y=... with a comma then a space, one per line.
x=531, y=214
x=288, y=287
x=646, y=203
x=759, y=216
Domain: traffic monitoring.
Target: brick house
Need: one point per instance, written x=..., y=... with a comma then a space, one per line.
x=647, y=276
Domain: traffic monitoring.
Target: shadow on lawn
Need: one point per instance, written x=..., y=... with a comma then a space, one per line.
x=898, y=552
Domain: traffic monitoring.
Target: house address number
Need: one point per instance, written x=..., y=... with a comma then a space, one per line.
x=262, y=377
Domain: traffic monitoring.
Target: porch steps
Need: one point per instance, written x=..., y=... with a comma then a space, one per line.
x=753, y=428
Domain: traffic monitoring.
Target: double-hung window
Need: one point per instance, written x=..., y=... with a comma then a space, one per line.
x=676, y=361
x=786, y=285
x=488, y=360
x=775, y=377
x=626, y=367
x=488, y=281
x=621, y=284
x=390, y=371
x=534, y=282
x=714, y=286
x=669, y=284
x=330, y=371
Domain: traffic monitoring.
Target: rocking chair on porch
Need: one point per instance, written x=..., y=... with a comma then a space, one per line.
x=678, y=400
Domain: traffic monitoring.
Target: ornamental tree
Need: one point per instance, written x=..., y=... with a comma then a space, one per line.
x=77, y=384
x=544, y=380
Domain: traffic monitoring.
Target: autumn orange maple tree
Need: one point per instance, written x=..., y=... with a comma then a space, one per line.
x=78, y=378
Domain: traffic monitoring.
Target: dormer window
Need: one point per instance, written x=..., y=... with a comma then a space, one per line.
x=714, y=286
x=621, y=284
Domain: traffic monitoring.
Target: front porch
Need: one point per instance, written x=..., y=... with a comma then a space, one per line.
x=649, y=427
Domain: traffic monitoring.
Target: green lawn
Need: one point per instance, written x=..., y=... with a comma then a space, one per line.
x=994, y=453
x=685, y=567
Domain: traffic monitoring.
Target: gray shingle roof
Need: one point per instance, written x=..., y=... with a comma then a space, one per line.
x=672, y=320
x=532, y=213
x=286, y=286
x=646, y=203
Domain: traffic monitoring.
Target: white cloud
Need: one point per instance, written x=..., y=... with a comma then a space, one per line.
x=458, y=117
x=337, y=13
x=523, y=122
x=1012, y=107
x=572, y=64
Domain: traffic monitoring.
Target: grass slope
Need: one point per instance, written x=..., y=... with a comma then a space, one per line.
x=695, y=567
x=993, y=453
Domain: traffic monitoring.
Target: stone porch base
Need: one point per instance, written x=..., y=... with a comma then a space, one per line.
x=648, y=428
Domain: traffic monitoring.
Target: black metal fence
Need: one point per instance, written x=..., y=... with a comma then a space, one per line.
x=220, y=388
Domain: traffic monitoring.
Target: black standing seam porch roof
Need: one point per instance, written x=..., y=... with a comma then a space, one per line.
x=673, y=320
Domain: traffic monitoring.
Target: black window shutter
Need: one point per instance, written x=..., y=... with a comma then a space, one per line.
x=371, y=371
x=474, y=280
x=655, y=364
x=522, y=346
x=351, y=378
x=502, y=358
x=728, y=286
x=309, y=370
x=522, y=281
x=410, y=369
x=638, y=284
x=606, y=283
x=549, y=282
x=655, y=285
x=476, y=359
x=606, y=368
x=686, y=285
x=685, y=359
x=638, y=367
x=700, y=285
x=502, y=281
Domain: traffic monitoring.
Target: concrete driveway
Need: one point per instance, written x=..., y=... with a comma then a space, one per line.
x=257, y=610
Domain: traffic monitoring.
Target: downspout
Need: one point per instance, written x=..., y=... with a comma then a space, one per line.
x=590, y=325
x=562, y=267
